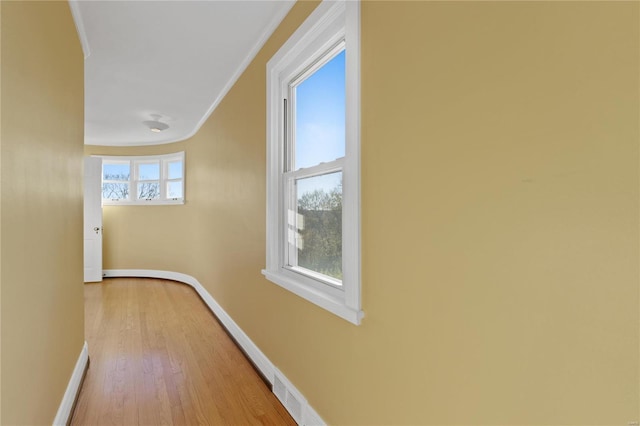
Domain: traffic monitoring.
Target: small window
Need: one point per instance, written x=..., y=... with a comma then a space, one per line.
x=115, y=180
x=174, y=179
x=148, y=173
x=155, y=180
x=313, y=192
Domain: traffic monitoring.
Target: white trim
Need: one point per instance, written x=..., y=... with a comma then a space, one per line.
x=318, y=170
x=74, y=5
x=351, y=254
x=312, y=418
x=264, y=364
x=264, y=37
x=73, y=388
x=312, y=27
x=303, y=288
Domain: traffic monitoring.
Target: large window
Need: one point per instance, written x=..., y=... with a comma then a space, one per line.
x=143, y=180
x=313, y=206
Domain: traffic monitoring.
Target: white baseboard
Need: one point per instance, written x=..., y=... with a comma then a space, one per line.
x=73, y=388
x=308, y=415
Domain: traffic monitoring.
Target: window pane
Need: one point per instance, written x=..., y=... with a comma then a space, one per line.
x=320, y=115
x=174, y=189
x=319, y=224
x=115, y=171
x=175, y=169
x=115, y=191
x=148, y=191
x=149, y=171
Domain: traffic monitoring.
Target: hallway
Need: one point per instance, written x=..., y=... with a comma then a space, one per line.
x=159, y=357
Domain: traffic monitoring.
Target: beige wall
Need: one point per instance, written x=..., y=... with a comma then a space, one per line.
x=500, y=220
x=42, y=140
x=145, y=237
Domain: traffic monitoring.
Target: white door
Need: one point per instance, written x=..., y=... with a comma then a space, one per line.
x=92, y=219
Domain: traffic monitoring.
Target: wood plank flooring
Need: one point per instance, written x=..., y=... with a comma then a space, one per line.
x=159, y=357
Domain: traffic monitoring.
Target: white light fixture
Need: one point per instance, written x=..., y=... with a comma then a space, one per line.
x=155, y=125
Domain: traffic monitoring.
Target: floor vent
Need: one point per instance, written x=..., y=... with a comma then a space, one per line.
x=289, y=397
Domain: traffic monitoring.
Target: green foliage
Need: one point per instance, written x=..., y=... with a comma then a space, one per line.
x=321, y=248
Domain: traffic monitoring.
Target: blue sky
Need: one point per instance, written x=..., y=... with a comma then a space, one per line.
x=320, y=122
x=116, y=169
x=175, y=170
x=149, y=171
x=320, y=115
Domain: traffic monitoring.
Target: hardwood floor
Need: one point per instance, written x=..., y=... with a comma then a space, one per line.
x=159, y=357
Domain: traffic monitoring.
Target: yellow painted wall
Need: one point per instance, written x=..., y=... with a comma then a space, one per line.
x=137, y=237
x=41, y=170
x=500, y=220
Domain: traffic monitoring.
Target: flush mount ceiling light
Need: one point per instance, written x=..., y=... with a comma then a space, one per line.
x=155, y=125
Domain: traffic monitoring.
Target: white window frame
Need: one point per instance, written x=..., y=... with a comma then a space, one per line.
x=331, y=23
x=134, y=161
x=115, y=181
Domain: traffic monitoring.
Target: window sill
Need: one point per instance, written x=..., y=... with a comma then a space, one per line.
x=330, y=303
x=142, y=203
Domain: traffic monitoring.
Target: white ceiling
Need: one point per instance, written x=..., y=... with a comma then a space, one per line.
x=176, y=59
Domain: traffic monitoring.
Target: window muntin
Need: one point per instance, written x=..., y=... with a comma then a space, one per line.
x=153, y=179
x=300, y=159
